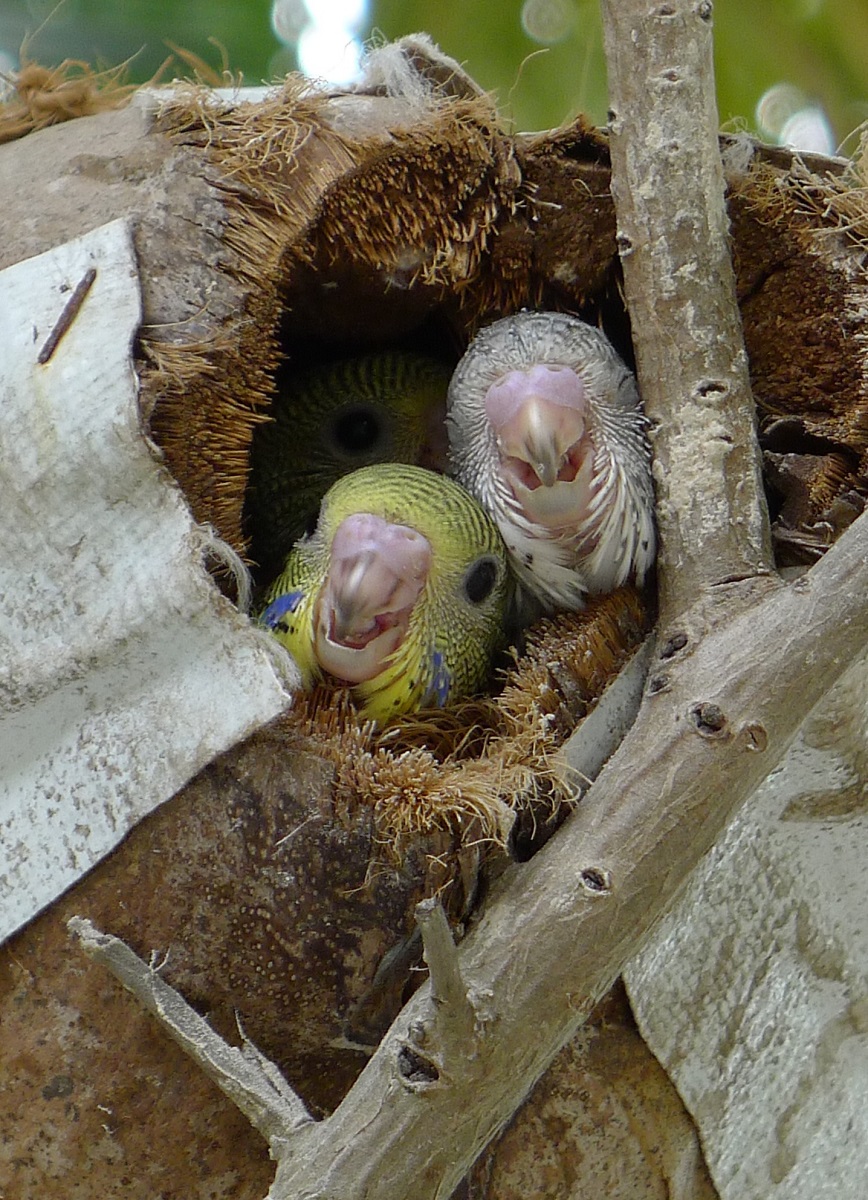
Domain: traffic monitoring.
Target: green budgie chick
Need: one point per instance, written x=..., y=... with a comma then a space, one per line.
x=400, y=592
x=332, y=419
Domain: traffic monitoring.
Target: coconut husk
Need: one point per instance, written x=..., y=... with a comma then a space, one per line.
x=357, y=220
x=40, y=96
x=449, y=223
x=799, y=240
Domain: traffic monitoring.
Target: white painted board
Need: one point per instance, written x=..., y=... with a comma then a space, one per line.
x=753, y=992
x=123, y=670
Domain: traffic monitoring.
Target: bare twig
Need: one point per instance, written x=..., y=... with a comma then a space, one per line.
x=603, y=729
x=70, y=312
x=448, y=990
x=247, y=1078
x=440, y=1040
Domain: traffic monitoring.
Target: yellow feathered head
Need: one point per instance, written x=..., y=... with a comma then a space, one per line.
x=400, y=591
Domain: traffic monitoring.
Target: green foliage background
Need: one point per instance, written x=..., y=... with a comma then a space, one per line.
x=819, y=45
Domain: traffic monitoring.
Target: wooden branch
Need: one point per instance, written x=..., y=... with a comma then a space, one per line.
x=249, y=1079
x=560, y=932
x=606, y=725
x=443, y=1036
x=673, y=236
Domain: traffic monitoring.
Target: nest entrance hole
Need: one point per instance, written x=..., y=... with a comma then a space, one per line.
x=340, y=313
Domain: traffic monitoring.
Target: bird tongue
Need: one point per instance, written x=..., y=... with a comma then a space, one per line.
x=376, y=574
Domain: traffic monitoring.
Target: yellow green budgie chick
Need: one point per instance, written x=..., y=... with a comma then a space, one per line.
x=400, y=591
x=546, y=430
x=330, y=419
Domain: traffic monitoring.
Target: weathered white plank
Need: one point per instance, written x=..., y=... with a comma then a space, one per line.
x=122, y=668
x=754, y=991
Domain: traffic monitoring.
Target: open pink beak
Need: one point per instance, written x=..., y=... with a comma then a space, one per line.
x=376, y=574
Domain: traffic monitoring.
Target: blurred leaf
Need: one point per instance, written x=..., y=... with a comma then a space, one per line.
x=105, y=33
x=819, y=45
x=537, y=86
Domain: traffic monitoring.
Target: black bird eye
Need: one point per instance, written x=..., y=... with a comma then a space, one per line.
x=357, y=430
x=480, y=580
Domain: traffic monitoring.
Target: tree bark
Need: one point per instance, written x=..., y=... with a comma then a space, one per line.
x=673, y=238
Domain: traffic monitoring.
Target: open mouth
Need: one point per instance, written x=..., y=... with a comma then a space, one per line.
x=376, y=575
x=520, y=472
x=358, y=654
x=359, y=639
x=565, y=506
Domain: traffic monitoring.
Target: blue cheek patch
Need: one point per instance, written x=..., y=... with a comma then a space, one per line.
x=441, y=683
x=277, y=609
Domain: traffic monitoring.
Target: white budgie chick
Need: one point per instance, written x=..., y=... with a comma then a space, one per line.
x=546, y=430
